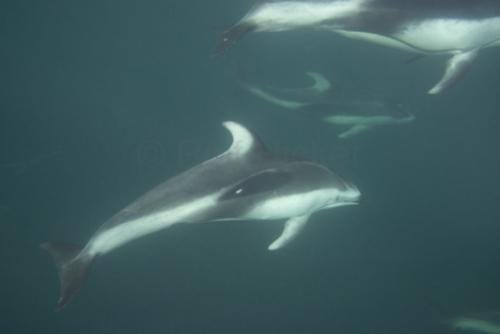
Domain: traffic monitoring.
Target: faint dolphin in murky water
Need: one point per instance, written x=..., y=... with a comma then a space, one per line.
x=358, y=111
x=488, y=322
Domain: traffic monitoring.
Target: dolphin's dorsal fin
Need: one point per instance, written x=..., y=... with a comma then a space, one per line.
x=244, y=141
x=293, y=227
x=321, y=84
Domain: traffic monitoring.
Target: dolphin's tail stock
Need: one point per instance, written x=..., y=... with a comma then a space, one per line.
x=72, y=269
x=230, y=36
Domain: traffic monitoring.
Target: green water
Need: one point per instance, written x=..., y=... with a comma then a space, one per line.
x=102, y=100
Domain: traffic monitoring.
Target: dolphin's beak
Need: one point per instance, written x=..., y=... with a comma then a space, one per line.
x=230, y=36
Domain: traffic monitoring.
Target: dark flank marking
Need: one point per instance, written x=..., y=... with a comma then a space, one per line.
x=259, y=183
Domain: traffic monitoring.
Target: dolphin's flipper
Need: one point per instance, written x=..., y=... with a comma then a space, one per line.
x=356, y=129
x=71, y=268
x=456, y=67
x=292, y=228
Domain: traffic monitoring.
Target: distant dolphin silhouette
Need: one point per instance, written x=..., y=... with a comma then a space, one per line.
x=487, y=322
x=359, y=112
x=459, y=28
x=246, y=182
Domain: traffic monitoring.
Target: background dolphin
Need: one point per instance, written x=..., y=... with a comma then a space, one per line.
x=358, y=111
x=486, y=322
x=459, y=28
x=245, y=182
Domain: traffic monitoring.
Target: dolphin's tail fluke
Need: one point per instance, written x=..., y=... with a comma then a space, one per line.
x=72, y=269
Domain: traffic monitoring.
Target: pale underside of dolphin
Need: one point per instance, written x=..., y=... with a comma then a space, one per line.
x=359, y=113
x=247, y=182
x=458, y=28
x=488, y=323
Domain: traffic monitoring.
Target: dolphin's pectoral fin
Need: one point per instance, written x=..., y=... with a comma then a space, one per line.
x=456, y=67
x=356, y=129
x=292, y=228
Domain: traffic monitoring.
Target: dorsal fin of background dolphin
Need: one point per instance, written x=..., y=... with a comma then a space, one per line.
x=292, y=98
x=459, y=28
x=320, y=86
x=247, y=182
x=359, y=112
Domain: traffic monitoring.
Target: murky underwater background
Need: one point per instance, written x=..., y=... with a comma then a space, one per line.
x=102, y=100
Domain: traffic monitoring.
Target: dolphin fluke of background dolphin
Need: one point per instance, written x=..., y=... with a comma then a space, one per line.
x=246, y=182
x=458, y=28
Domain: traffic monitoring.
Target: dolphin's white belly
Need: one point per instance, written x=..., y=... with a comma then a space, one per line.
x=293, y=205
x=443, y=35
x=122, y=233
x=350, y=120
x=436, y=35
x=376, y=39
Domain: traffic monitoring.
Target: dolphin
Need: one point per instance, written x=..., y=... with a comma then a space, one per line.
x=319, y=89
x=358, y=111
x=488, y=323
x=246, y=182
x=457, y=28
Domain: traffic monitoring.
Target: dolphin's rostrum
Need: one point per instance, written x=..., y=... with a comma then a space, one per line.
x=247, y=182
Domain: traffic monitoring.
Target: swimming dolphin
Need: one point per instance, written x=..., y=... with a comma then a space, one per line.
x=292, y=98
x=247, y=182
x=458, y=28
x=488, y=323
x=359, y=111
x=318, y=90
